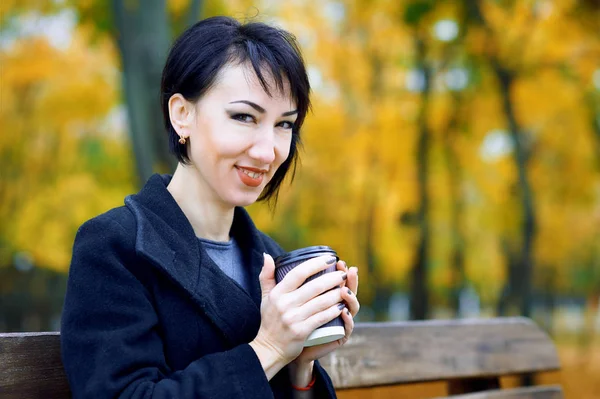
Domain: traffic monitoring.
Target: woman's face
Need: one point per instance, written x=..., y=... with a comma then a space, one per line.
x=239, y=135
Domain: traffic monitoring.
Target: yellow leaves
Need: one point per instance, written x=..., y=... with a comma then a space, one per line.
x=510, y=23
x=55, y=103
x=88, y=81
x=534, y=34
x=178, y=7
x=394, y=245
x=358, y=177
x=8, y=7
x=28, y=62
x=485, y=266
x=476, y=42
x=58, y=88
x=48, y=219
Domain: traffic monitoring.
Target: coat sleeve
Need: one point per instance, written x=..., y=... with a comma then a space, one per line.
x=110, y=341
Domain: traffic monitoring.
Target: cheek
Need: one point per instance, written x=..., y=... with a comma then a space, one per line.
x=230, y=147
x=216, y=139
x=225, y=146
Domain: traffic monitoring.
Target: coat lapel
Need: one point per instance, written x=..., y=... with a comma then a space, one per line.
x=165, y=237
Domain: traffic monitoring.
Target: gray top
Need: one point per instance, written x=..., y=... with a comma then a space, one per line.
x=228, y=256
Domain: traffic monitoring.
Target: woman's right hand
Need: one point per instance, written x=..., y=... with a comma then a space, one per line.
x=290, y=312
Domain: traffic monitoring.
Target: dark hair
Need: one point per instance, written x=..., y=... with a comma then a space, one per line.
x=199, y=54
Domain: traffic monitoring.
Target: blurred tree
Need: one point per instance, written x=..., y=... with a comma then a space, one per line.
x=143, y=32
x=419, y=298
x=376, y=145
x=518, y=290
x=143, y=36
x=455, y=125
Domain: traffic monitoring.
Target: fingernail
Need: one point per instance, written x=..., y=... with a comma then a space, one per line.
x=341, y=306
x=345, y=265
x=344, y=276
x=347, y=312
x=330, y=260
x=349, y=291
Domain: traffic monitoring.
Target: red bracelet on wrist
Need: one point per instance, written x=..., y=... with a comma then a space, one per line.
x=306, y=388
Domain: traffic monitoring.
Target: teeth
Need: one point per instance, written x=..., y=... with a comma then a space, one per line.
x=251, y=174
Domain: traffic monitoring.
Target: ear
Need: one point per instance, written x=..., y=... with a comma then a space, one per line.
x=181, y=114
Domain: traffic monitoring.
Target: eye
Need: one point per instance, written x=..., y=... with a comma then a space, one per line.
x=246, y=118
x=286, y=125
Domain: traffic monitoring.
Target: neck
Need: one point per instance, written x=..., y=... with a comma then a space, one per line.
x=210, y=217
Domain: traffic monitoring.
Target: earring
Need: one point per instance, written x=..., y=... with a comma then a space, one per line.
x=181, y=140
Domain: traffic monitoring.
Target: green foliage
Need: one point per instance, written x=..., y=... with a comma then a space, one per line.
x=416, y=10
x=97, y=13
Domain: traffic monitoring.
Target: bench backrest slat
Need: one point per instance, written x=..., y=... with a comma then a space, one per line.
x=377, y=354
x=394, y=353
x=547, y=392
x=30, y=366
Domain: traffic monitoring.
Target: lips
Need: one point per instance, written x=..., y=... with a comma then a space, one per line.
x=251, y=177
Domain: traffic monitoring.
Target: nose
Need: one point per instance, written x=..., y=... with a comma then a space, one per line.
x=263, y=148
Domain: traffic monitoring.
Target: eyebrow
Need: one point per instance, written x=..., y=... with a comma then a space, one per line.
x=261, y=109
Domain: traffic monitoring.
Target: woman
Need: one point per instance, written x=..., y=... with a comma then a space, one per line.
x=173, y=295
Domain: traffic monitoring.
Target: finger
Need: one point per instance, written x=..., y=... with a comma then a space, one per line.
x=317, y=320
x=317, y=287
x=298, y=275
x=267, y=275
x=351, y=301
x=342, y=266
x=352, y=282
x=348, y=323
x=321, y=303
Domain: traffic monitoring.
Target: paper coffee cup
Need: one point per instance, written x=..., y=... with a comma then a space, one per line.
x=332, y=330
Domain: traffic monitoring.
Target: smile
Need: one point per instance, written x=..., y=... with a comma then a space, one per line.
x=251, y=177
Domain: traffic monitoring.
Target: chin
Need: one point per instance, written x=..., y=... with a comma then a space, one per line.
x=243, y=199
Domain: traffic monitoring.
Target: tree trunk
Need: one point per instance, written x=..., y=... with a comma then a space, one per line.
x=508, y=298
x=419, y=300
x=594, y=118
x=381, y=290
x=518, y=286
x=524, y=286
x=143, y=41
x=195, y=11
x=457, y=256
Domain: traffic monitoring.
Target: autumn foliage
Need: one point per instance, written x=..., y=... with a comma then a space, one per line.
x=452, y=145
x=408, y=107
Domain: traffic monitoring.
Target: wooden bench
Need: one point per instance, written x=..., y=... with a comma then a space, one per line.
x=469, y=355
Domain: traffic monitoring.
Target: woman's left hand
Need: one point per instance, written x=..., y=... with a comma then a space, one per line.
x=349, y=291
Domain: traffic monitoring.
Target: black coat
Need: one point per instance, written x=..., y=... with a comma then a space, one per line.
x=148, y=314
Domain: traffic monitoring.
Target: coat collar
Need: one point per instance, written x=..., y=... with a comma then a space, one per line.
x=166, y=238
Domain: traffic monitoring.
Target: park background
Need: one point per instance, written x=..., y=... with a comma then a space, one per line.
x=452, y=153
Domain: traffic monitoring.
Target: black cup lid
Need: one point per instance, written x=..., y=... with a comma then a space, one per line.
x=304, y=254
